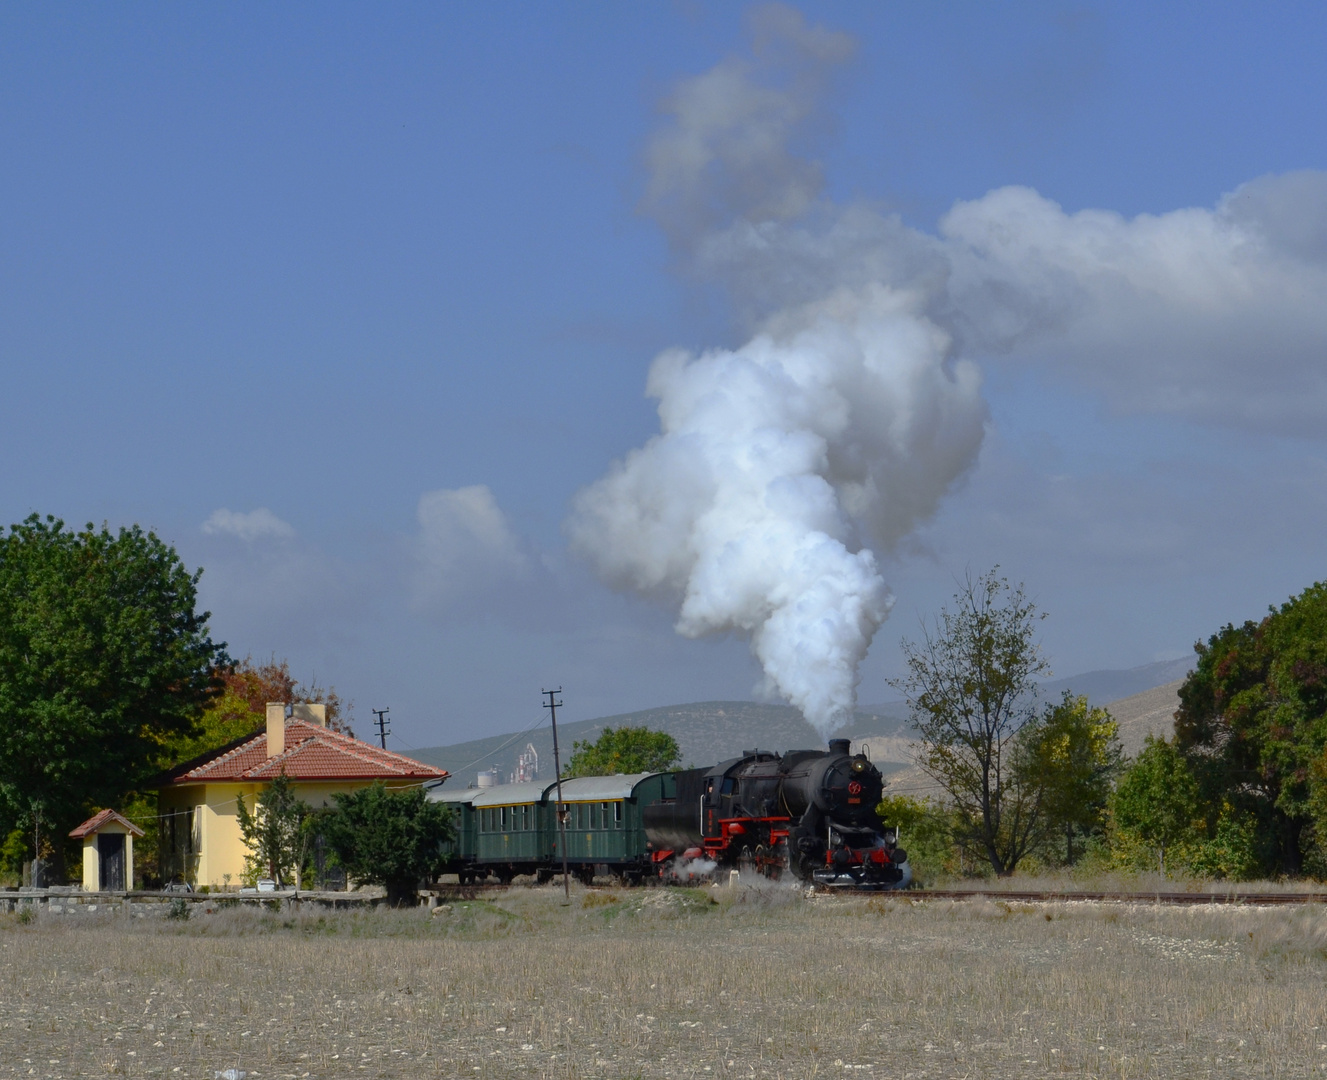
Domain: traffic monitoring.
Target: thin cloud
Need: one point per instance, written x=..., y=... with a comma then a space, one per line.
x=260, y=524
x=464, y=546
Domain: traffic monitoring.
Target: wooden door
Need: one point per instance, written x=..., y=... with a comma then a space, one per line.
x=110, y=853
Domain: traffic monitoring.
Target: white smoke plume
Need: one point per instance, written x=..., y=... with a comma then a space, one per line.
x=854, y=406
x=840, y=423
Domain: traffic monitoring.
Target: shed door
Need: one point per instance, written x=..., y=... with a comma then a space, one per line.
x=110, y=853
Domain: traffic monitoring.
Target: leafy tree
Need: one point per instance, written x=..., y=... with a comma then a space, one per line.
x=970, y=686
x=241, y=708
x=103, y=657
x=1157, y=799
x=257, y=684
x=274, y=831
x=624, y=750
x=1253, y=723
x=1230, y=852
x=391, y=838
x=926, y=833
x=1075, y=751
x=13, y=852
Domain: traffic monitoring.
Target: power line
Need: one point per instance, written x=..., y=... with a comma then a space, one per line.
x=503, y=746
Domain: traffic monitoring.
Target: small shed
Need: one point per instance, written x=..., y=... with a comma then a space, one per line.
x=108, y=851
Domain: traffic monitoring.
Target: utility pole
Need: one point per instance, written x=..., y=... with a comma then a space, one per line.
x=38, y=876
x=552, y=707
x=383, y=724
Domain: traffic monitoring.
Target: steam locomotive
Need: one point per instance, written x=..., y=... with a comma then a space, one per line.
x=809, y=811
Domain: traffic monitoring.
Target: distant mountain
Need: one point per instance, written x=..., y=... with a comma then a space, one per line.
x=1104, y=687
x=710, y=731
x=706, y=731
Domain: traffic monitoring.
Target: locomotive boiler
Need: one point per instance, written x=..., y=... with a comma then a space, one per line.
x=811, y=812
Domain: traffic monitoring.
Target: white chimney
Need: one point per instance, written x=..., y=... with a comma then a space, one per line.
x=276, y=728
x=310, y=713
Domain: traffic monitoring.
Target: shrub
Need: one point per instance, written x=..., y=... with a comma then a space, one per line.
x=391, y=838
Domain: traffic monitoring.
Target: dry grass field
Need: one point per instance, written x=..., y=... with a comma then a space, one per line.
x=669, y=983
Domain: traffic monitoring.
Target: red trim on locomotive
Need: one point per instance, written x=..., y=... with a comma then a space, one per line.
x=731, y=827
x=857, y=856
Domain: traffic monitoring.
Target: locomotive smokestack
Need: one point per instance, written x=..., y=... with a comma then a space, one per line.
x=839, y=746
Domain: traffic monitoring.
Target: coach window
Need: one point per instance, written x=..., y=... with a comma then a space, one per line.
x=617, y=815
x=603, y=815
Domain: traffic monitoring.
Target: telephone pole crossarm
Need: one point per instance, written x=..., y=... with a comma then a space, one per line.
x=383, y=725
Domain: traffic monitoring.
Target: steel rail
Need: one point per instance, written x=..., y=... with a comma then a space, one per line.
x=1024, y=896
x=1060, y=896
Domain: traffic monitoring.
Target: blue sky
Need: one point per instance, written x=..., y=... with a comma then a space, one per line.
x=325, y=261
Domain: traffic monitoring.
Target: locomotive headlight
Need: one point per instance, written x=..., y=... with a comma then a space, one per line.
x=859, y=765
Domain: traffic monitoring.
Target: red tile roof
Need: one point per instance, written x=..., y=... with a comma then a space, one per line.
x=312, y=753
x=100, y=818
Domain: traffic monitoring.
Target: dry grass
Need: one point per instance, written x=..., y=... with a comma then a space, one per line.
x=665, y=983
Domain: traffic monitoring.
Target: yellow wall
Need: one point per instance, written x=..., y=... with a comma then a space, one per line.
x=216, y=848
x=92, y=857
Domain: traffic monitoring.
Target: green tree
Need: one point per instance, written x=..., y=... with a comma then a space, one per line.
x=1157, y=800
x=1075, y=751
x=970, y=686
x=926, y=833
x=103, y=657
x=624, y=750
x=391, y=838
x=240, y=709
x=274, y=832
x=1253, y=722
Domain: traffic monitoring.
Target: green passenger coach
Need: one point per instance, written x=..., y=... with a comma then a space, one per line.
x=512, y=829
x=604, y=822
x=460, y=852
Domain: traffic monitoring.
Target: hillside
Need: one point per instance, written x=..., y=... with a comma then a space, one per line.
x=709, y=731
x=706, y=731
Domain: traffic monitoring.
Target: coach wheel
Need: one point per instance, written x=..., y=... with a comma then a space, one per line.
x=543, y=876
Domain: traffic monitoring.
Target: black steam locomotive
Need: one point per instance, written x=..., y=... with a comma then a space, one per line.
x=811, y=812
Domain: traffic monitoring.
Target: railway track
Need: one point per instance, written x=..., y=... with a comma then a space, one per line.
x=1049, y=896
x=1025, y=896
